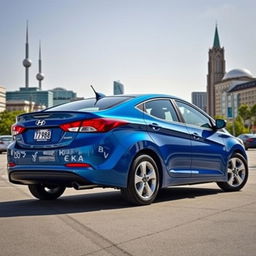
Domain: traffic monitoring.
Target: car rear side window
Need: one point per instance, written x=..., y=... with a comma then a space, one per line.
x=162, y=109
x=91, y=105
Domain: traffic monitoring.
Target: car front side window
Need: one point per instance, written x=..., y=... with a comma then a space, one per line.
x=193, y=116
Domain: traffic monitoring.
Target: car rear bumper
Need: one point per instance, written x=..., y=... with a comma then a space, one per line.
x=67, y=179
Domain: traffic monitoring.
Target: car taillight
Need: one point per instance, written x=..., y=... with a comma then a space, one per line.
x=17, y=129
x=92, y=125
x=11, y=164
x=250, y=140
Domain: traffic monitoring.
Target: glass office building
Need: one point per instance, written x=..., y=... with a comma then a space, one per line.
x=61, y=95
x=32, y=94
x=118, y=88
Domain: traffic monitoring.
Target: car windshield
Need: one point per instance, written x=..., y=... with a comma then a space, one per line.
x=91, y=105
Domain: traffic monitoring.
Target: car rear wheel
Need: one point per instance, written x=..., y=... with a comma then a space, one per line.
x=143, y=182
x=44, y=192
x=237, y=174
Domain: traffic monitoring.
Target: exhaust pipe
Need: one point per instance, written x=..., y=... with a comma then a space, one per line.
x=77, y=186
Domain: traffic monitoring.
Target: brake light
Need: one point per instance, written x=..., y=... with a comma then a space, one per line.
x=77, y=165
x=250, y=140
x=92, y=125
x=11, y=164
x=71, y=127
x=17, y=129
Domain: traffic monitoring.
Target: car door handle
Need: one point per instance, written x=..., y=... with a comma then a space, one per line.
x=154, y=126
x=196, y=136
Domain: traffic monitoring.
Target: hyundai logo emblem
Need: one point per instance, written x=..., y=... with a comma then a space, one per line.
x=40, y=122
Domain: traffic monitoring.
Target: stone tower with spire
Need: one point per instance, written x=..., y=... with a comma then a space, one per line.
x=216, y=71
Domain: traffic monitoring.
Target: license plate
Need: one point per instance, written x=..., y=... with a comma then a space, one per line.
x=42, y=135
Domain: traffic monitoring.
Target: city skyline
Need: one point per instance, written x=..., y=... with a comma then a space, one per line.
x=149, y=46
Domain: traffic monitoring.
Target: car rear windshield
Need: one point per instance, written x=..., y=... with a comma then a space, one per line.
x=91, y=105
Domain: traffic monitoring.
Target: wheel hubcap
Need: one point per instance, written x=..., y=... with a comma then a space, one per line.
x=51, y=190
x=145, y=180
x=236, y=172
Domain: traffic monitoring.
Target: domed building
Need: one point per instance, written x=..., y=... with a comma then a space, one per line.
x=238, y=73
x=225, y=103
x=226, y=91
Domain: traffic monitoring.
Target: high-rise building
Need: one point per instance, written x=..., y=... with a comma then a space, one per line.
x=2, y=99
x=200, y=100
x=61, y=95
x=216, y=71
x=32, y=94
x=118, y=88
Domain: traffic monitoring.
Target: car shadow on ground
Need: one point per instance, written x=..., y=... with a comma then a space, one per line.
x=93, y=202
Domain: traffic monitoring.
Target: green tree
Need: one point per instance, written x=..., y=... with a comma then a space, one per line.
x=244, y=111
x=253, y=114
x=248, y=114
x=7, y=119
x=237, y=127
x=253, y=110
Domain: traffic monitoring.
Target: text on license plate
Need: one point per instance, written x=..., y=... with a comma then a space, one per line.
x=42, y=135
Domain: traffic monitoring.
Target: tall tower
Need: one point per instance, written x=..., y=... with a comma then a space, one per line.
x=118, y=88
x=40, y=75
x=216, y=71
x=27, y=62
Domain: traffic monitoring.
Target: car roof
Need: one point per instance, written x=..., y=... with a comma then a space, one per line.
x=150, y=95
x=142, y=97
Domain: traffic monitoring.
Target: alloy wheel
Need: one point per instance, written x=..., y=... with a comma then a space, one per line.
x=145, y=180
x=236, y=172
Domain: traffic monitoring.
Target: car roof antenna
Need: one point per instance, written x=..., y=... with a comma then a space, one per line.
x=98, y=95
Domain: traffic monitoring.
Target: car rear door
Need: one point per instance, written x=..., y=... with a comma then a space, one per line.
x=170, y=135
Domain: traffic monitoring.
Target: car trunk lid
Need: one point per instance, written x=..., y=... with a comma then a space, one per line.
x=43, y=130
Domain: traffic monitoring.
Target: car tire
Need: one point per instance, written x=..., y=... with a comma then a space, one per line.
x=44, y=192
x=143, y=181
x=237, y=171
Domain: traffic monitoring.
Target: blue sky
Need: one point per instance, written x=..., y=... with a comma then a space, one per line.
x=158, y=46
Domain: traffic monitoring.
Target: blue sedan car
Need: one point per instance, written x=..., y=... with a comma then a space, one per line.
x=136, y=143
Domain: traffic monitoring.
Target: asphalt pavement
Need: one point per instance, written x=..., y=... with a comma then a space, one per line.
x=189, y=220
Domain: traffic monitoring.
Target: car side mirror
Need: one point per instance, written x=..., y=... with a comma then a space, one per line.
x=219, y=124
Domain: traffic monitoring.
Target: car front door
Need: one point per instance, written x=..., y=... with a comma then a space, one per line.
x=208, y=148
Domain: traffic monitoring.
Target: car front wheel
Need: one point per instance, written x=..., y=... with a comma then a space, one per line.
x=237, y=174
x=44, y=192
x=143, y=182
